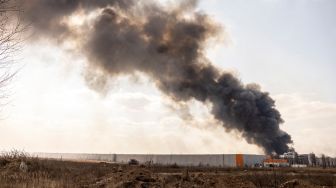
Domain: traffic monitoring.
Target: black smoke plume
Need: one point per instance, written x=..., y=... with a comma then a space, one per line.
x=167, y=44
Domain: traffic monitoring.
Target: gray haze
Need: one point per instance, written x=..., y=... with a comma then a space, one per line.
x=167, y=44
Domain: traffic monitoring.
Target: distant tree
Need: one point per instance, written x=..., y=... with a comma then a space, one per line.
x=324, y=163
x=296, y=158
x=312, y=159
x=11, y=28
x=328, y=161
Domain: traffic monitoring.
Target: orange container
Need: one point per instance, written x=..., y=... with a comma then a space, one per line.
x=239, y=160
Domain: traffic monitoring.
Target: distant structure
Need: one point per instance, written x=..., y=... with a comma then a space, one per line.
x=276, y=163
x=290, y=158
x=215, y=160
x=303, y=160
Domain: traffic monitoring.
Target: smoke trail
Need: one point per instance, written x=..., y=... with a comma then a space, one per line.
x=167, y=44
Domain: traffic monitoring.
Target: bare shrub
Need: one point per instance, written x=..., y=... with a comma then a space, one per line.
x=14, y=155
x=11, y=38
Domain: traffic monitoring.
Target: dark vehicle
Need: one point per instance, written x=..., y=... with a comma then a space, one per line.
x=133, y=162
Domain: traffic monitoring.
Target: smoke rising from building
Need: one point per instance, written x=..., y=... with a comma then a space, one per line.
x=166, y=44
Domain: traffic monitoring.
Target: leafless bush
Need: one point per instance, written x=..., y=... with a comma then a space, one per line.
x=11, y=38
x=14, y=155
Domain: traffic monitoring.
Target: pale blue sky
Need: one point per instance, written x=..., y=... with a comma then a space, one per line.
x=286, y=45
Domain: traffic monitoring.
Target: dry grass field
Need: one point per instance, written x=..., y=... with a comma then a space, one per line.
x=34, y=172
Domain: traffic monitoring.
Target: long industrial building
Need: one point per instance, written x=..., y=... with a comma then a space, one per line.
x=215, y=160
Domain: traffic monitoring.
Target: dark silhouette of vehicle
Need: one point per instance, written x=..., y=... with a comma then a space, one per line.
x=133, y=162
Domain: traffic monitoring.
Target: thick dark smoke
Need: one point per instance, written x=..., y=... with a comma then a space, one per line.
x=167, y=44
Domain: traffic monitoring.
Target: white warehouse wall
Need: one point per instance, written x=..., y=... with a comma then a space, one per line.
x=215, y=160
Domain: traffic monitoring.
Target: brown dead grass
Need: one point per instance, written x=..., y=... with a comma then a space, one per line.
x=56, y=173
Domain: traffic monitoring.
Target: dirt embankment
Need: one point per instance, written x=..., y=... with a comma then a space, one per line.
x=33, y=172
